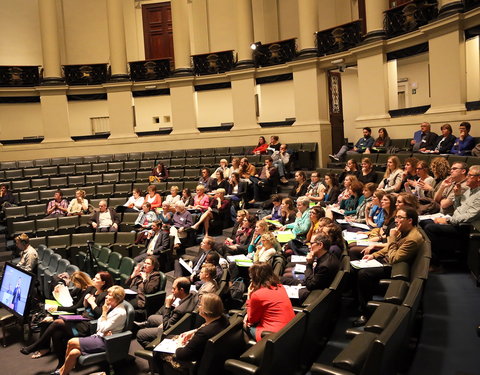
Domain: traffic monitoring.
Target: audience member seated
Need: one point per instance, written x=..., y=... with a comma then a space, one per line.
x=281, y=158
x=275, y=214
x=6, y=197
x=316, y=189
x=182, y=220
x=222, y=168
x=274, y=144
x=287, y=211
x=464, y=143
x=349, y=205
x=235, y=166
x=268, y=306
x=166, y=214
x=423, y=138
x=173, y=197
x=193, y=342
x=79, y=204
x=60, y=331
x=440, y=169
x=134, y=203
x=300, y=187
x=205, y=180
x=112, y=321
x=410, y=171
x=367, y=173
x=376, y=215
x=300, y=247
x=351, y=169
x=206, y=246
x=321, y=268
x=236, y=191
x=264, y=183
x=177, y=304
x=218, y=209
x=444, y=142
x=241, y=236
x=302, y=223
x=332, y=190
x=187, y=198
x=392, y=179
x=144, y=222
x=246, y=169
x=207, y=283
x=158, y=174
x=218, y=182
x=403, y=245
x=364, y=143
x=153, y=197
x=28, y=255
x=382, y=143
x=363, y=208
x=347, y=183
x=261, y=146
x=105, y=219
x=424, y=185
x=444, y=232
x=145, y=279
x=444, y=194
x=267, y=250
x=158, y=240
x=58, y=206
x=334, y=232
x=201, y=201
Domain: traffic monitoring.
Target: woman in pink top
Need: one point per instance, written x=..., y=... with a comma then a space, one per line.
x=268, y=306
x=153, y=197
x=201, y=201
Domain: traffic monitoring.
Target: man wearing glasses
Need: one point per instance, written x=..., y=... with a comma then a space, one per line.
x=445, y=232
x=403, y=244
x=445, y=196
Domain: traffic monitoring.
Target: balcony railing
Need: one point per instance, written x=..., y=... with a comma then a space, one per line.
x=275, y=53
x=339, y=38
x=213, y=63
x=409, y=16
x=19, y=76
x=88, y=74
x=150, y=70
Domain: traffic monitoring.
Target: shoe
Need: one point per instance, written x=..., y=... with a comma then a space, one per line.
x=25, y=350
x=283, y=180
x=360, y=321
x=333, y=158
x=141, y=325
x=55, y=372
x=252, y=201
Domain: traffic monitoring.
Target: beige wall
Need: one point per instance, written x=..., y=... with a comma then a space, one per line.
x=276, y=101
x=415, y=68
x=222, y=27
x=288, y=19
x=148, y=107
x=473, y=68
x=20, y=48
x=20, y=120
x=214, y=107
x=80, y=113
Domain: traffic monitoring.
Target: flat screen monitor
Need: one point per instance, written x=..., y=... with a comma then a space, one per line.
x=15, y=289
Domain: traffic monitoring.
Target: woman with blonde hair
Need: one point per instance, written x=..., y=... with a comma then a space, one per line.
x=440, y=168
x=265, y=252
x=79, y=204
x=392, y=179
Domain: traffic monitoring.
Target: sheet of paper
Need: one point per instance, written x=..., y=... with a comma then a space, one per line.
x=367, y=243
x=337, y=211
x=193, y=288
x=292, y=290
x=298, y=259
x=300, y=268
x=366, y=263
x=234, y=258
x=342, y=221
x=244, y=263
x=431, y=217
x=130, y=292
x=185, y=265
x=360, y=225
x=284, y=236
x=274, y=222
x=166, y=346
x=62, y=295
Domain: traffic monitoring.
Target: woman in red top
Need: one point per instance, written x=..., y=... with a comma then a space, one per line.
x=268, y=306
x=261, y=147
x=153, y=197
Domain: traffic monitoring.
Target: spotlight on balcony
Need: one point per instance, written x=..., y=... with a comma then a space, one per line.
x=255, y=45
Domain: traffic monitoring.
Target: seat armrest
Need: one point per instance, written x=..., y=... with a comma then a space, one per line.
x=118, y=346
x=144, y=354
x=354, y=355
x=321, y=369
x=396, y=292
x=312, y=297
x=380, y=318
x=153, y=344
x=239, y=367
x=154, y=301
x=401, y=271
x=351, y=333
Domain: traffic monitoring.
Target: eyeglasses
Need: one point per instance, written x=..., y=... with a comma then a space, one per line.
x=455, y=168
x=400, y=217
x=419, y=169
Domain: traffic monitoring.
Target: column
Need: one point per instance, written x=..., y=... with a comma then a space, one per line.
x=447, y=70
x=374, y=13
x=243, y=100
x=308, y=22
x=311, y=103
x=373, y=83
x=52, y=70
x=244, y=20
x=473, y=69
x=184, y=119
x=116, y=39
x=265, y=20
x=181, y=37
x=448, y=7
x=56, y=123
x=120, y=110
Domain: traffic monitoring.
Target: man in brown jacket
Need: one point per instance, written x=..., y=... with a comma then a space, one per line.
x=403, y=244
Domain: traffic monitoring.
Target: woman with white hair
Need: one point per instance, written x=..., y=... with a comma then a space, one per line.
x=302, y=223
x=181, y=220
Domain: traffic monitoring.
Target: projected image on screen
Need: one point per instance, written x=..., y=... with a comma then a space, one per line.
x=14, y=289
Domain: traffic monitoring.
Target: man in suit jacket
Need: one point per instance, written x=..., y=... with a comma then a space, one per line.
x=423, y=138
x=157, y=241
x=206, y=246
x=105, y=219
x=177, y=304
